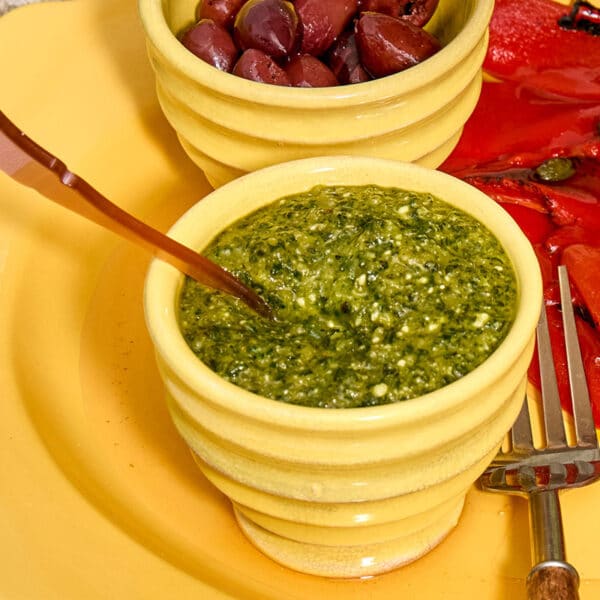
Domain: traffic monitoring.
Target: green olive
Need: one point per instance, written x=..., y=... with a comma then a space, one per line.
x=555, y=169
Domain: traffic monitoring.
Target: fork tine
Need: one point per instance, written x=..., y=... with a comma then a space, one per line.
x=553, y=419
x=520, y=434
x=582, y=409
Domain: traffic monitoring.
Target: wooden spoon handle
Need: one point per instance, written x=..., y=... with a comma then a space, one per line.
x=553, y=580
x=27, y=162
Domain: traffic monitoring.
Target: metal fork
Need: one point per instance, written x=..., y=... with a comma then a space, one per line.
x=539, y=473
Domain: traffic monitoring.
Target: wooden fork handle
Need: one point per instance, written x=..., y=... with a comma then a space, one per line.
x=553, y=580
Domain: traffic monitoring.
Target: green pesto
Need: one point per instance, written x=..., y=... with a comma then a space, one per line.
x=381, y=295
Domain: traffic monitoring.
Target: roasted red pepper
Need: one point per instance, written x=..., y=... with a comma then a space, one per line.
x=582, y=262
x=565, y=236
x=536, y=225
x=590, y=350
x=583, y=17
x=531, y=130
x=524, y=124
x=529, y=45
x=574, y=202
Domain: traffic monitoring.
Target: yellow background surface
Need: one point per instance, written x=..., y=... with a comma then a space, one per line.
x=99, y=498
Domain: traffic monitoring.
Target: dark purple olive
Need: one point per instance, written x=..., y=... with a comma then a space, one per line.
x=388, y=45
x=321, y=21
x=267, y=25
x=306, y=70
x=212, y=43
x=222, y=12
x=257, y=66
x=417, y=12
x=344, y=61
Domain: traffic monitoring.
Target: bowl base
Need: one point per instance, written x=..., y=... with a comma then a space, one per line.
x=353, y=561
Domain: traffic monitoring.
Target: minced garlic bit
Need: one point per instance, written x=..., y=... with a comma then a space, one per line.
x=379, y=390
x=480, y=320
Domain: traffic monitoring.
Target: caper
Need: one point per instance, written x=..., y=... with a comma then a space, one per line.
x=555, y=169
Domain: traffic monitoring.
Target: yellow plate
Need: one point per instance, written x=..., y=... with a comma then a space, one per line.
x=99, y=498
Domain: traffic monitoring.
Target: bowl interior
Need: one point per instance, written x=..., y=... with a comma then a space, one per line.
x=458, y=24
x=448, y=20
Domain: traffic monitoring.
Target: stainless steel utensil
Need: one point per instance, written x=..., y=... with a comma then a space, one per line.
x=539, y=473
x=28, y=163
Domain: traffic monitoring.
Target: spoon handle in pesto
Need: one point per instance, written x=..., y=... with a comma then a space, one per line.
x=28, y=163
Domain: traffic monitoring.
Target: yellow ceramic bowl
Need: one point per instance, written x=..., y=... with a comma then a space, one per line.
x=230, y=126
x=346, y=492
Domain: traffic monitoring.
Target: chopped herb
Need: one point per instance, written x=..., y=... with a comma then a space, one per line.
x=383, y=295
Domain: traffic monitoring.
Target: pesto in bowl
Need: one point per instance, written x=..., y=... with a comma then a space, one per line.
x=382, y=295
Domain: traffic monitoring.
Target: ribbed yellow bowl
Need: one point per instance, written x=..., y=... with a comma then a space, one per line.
x=230, y=126
x=346, y=492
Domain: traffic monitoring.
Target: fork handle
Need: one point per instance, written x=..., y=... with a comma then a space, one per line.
x=552, y=577
x=553, y=580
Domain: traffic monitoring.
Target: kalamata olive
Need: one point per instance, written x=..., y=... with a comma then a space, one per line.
x=417, y=12
x=387, y=45
x=267, y=25
x=212, y=43
x=255, y=65
x=344, y=61
x=306, y=70
x=321, y=21
x=222, y=12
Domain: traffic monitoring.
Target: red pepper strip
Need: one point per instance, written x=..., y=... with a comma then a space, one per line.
x=569, y=211
x=586, y=179
x=575, y=201
x=528, y=46
x=590, y=351
x=515, y=129
x=583, y=263
x=510, y=188
x=536, y=225
x=583, y=16
x=567, y=235
x=548, y=266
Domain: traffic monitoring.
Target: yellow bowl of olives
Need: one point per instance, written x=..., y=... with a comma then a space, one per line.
x=247, y=84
